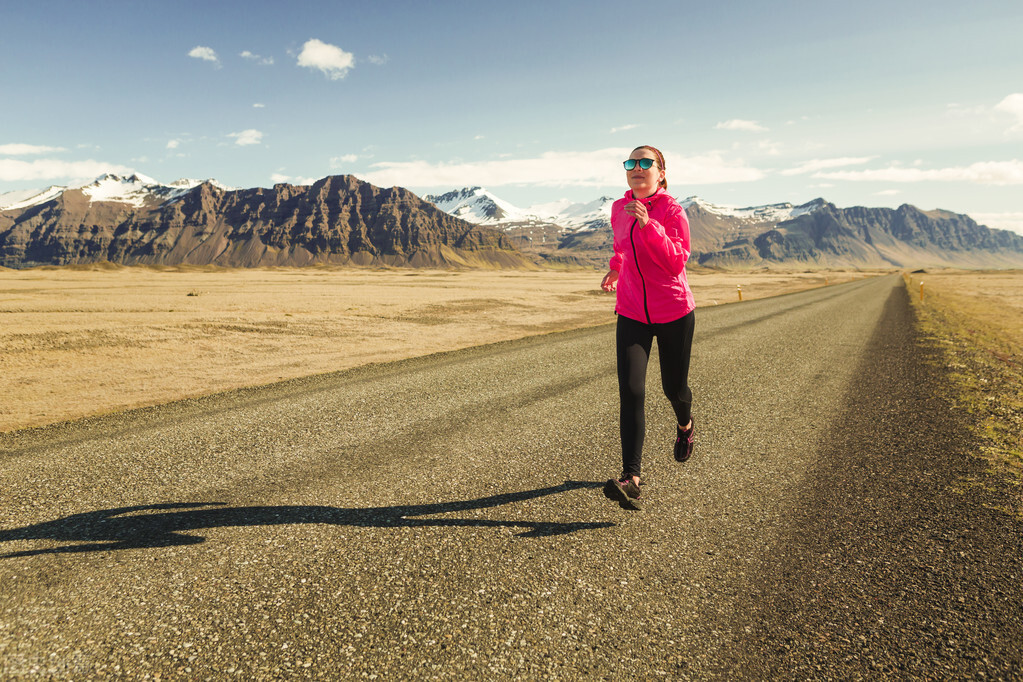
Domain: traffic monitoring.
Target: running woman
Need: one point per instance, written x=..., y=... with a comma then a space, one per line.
x=653, y=300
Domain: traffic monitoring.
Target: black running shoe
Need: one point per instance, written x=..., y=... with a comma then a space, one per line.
x=684, y=442
x=625, y=492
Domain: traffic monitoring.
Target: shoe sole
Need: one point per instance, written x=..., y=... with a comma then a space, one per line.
x=613, y=491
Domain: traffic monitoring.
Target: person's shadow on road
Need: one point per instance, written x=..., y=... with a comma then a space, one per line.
x=126, y=528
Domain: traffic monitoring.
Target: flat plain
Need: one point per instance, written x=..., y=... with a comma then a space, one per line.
x=88, y=340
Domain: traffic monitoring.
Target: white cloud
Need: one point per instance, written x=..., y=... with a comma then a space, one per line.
x=770, y=147
x=247, y=137
x=621, y=129
x=820, y=164
x=1013, y=105
x=330, y=59
x=26, y=149
x=339, y=161
x=173, y=144
x=280, y=177
x=259, y=105
x=378, y=60
x=15, y=170
x=600, y=168
x=888, y=192
x=740, y=124
x=256, y=58
x=204, y=53
x=980, y=173
x=1012, y=220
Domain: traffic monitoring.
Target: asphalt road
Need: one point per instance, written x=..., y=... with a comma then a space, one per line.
x=443, y=518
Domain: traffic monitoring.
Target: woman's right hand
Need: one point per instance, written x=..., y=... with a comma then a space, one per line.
x=610, y=281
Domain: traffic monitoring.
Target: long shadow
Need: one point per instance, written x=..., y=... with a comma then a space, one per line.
x=125, y=528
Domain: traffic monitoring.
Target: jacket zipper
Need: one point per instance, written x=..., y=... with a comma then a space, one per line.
x=642, y=280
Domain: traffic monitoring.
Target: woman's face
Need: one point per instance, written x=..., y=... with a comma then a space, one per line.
x=643, y=183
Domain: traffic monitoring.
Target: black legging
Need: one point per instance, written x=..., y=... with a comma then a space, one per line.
x=674, y=344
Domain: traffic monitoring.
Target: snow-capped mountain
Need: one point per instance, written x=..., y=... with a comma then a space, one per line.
x=479, y=206
x=136, y=189
x=770, y=213
x=576, y=216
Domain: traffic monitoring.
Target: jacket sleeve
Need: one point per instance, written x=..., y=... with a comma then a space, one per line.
x=617, y=258
x=668, y=243
x=616, y=262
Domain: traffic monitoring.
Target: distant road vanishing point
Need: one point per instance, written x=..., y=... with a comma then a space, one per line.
x=442, y=517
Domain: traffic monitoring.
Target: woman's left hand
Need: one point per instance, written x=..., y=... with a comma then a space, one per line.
x=637, y=210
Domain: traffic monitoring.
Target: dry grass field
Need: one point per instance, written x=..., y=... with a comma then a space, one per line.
x=87, y=340
x=976, y=318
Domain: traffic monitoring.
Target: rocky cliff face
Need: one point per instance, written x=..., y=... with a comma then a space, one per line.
x=339, y=219
x=878, y=237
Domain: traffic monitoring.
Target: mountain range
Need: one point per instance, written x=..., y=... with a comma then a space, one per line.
x=337, y=220
x=342, y=220
x=813, y=235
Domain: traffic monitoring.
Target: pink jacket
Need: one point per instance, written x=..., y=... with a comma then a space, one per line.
x=651, y=260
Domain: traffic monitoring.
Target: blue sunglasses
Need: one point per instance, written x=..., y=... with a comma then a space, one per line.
x=645, y=164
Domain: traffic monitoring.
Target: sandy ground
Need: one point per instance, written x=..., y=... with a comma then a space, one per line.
x=78, y=341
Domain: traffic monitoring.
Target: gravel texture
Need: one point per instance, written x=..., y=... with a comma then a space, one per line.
x=443, y=518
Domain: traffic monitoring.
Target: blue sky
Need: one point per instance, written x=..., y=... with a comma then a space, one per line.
x=869, y=103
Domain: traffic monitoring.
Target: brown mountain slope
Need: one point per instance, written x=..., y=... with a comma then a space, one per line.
x=339, y=219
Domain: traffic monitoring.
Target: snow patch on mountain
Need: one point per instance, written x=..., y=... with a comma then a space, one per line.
x=28, y=197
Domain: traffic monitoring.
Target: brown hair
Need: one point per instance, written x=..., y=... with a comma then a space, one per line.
x=660, y=161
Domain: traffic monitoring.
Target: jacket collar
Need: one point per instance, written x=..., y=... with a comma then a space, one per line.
x=656, y=196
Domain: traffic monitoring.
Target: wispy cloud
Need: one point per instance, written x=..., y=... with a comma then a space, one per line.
x=27, y=149
x=621, y=129
x=600, y=168
x=980, y=173
x=16, y=170
x=247, y=137
x=330, y=59
x=259, y=105
x=888, y=192
x=266, y=61
x=815, y=165
x=378, y=59
x=740, y=124
x=173, y=144
x=1013, y=105
x=207, y=54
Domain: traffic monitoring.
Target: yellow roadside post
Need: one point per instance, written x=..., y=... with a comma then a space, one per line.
x=739, y=288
